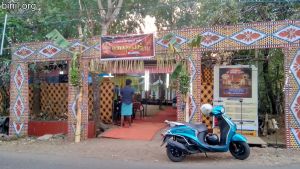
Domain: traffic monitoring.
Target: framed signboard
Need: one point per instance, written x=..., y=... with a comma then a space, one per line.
x=127, y=47
x=235, y=82
x=236, y=86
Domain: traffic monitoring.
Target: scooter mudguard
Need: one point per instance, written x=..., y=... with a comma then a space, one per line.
x=238, y=137
x=166, y=138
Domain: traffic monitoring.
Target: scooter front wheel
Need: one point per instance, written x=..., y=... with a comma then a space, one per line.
x=239, y=150
x=175, y=154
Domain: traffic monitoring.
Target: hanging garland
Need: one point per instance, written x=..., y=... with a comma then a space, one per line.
x=119, y=66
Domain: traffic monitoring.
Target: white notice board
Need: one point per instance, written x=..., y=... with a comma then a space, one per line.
x=233, y=84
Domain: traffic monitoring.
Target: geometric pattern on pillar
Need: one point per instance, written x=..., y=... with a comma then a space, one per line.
x=295, y=70
x=195, y=66
x=19, y=99
x=85, y=100
x=292, y=97
x=295, y=138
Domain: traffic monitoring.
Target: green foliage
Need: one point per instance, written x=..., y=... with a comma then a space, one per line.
x=4, y=72
x=180, y=72
x=177, y=71
x=74, y=71
x=195, y=42
x=184, y=82
x=276, y=76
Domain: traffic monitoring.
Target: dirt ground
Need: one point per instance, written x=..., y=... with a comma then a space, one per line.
x=150, y=151
x=147, y=151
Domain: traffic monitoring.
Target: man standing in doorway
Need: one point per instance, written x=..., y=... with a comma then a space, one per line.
x=127, y=97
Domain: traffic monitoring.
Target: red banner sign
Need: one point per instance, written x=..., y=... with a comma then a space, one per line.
x=127, y=47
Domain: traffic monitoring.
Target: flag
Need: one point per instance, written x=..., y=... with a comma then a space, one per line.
x=58, y=39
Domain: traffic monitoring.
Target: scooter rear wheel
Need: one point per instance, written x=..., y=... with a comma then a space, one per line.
x=239, y=150
x=175, y=154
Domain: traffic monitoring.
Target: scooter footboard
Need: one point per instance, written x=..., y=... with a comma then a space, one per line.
x=239, y=137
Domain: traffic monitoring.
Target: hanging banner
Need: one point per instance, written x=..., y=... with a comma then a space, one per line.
x=127, y=47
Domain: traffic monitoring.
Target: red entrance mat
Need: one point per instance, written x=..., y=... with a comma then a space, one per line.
x=137, y=131
x=143, y=129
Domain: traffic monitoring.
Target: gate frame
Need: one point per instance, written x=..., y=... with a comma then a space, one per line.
x=261, y=35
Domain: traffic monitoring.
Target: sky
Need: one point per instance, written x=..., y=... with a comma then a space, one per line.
x=149, y=25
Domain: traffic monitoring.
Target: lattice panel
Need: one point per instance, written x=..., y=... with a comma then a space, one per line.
x=91, y=100
x=207, y=75
x=50, y=90
x=207, y=121
x=106, y=100
x=54, y=99
x=207, y=93
x=30, y=98
x=206, y=97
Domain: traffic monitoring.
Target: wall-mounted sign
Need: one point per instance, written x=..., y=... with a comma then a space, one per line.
x=235, y=82
x=127, y=47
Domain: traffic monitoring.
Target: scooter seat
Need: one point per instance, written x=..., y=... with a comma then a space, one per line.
x=200, y=127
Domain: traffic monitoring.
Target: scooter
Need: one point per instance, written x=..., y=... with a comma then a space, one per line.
x=184, y=139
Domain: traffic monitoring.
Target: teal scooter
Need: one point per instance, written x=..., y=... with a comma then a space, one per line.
x=184, y=139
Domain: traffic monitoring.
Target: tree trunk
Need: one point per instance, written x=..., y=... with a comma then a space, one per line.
x=80, y=90
x=268, y=83
x=78, y=122
x=104, y=29
x=187, y=108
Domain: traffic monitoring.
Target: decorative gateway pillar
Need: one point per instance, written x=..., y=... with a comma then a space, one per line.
x=19, y=106
x=195, y=95
x=72, y=104
x=292, y=96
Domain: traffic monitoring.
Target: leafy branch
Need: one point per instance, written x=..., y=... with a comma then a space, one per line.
x=181, y=70
x=74, y=70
